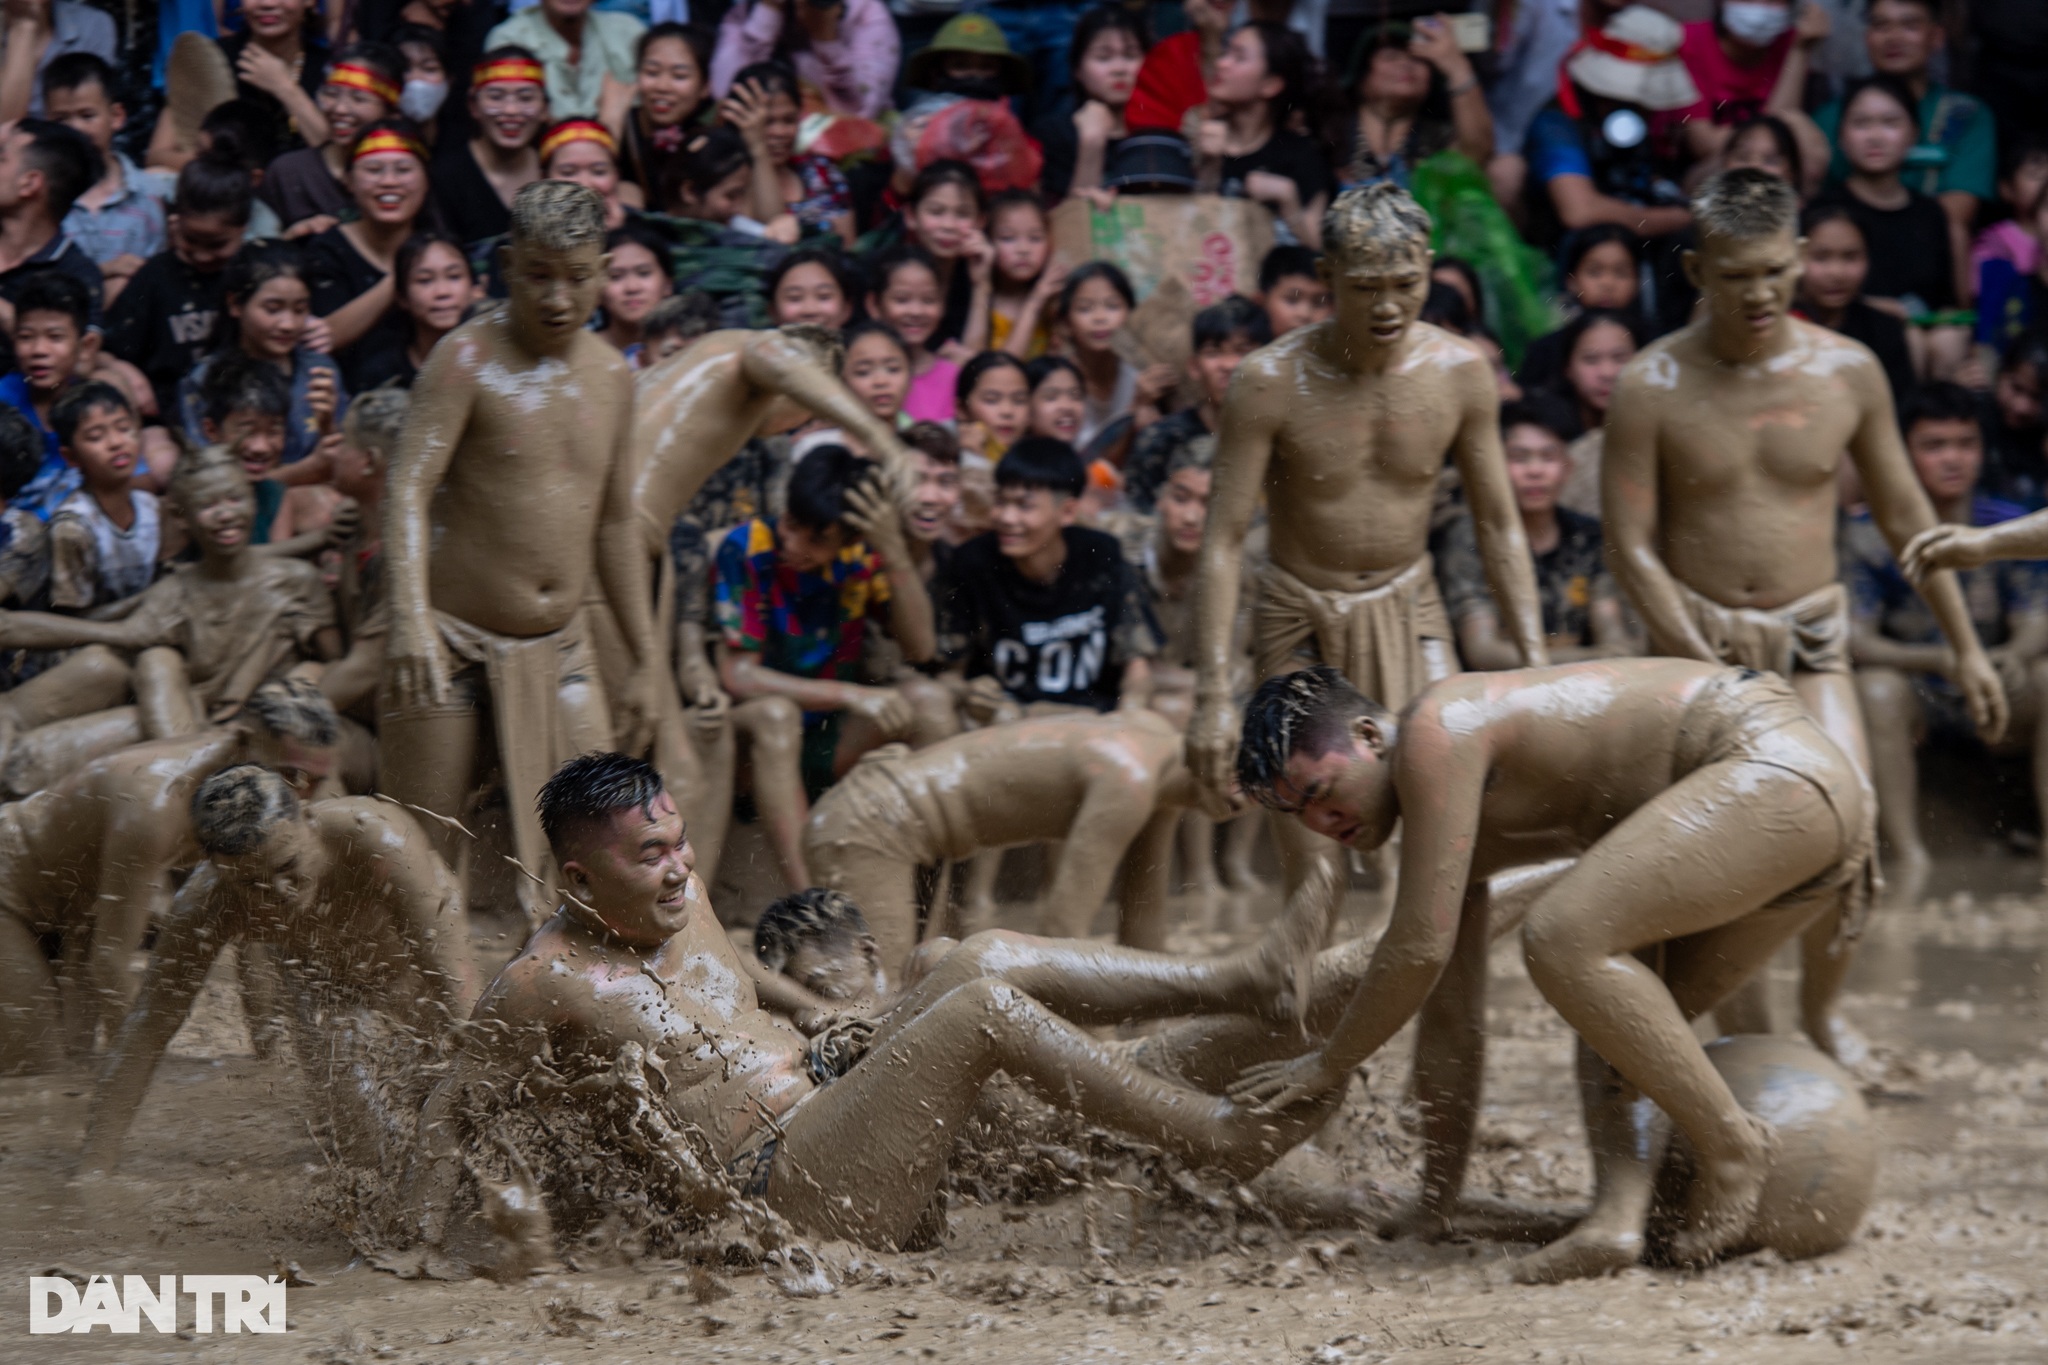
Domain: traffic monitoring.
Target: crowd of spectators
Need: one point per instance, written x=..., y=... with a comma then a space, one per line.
x=222, y=227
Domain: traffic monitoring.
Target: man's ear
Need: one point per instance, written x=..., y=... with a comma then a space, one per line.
x=1372, y=734
x=1070, y=510
x=117, y=114
x=88, y=351
x=1689, y=261
x=210, y=429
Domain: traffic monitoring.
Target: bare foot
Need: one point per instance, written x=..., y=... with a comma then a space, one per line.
x=1587, y=1252
x=1906, y=877
x=1834, y=1035
x=1722, y=1203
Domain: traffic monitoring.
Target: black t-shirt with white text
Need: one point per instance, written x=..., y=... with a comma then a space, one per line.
x=1063, y=641
x=163, y=322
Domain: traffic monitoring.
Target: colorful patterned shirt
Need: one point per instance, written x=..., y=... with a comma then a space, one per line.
x=812, y=625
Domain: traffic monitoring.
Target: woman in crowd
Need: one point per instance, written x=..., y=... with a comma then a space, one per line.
x=764, y=106
x=1831, y=292
x=280, y=62
x=306, y=187
x=475, y=179
x=1248, y=149
x=1414, y=94
x=637, y=279
x=993, y=397
x=582, y=150
x=1597, y=345
x=435, y=289
x=1603, y=271
x=1079, y=134
x=877, y=370
x=846, y=50
x=672, y=97
x=1767, y=143
x=350, y=266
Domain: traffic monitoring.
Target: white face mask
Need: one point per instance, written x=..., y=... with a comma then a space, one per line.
x=1755, y=23
x=421, y=100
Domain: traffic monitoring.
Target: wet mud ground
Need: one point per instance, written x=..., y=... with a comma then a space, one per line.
x=222, y=1176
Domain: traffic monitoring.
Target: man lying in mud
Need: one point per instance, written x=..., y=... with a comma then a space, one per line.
x=1711, y=818
x=842, y=1142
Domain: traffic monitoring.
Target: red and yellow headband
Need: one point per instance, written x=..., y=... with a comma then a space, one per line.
x=359, y=77
x=386, y=140
x=510, y=69
x=577, y=130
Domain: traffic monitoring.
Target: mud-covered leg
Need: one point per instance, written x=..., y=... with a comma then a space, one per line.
x=1626, y=1134
x=884, y=888
x=1825, y=956
x=1450, y=1062
x=774, y=733
x=31, y=1013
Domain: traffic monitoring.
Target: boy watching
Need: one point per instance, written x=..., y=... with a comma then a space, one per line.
x=104, y=538
x=1291, y=291
x=53, y=348
x=1225, y=333
x=675, y=322
x=116, y=221
x=44, y=167
x=164, y=319
x=1048, y=610
x=244, y=402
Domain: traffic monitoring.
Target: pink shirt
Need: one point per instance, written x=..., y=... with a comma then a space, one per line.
x=855, y=74
x=931, y=394
x=1728, y=93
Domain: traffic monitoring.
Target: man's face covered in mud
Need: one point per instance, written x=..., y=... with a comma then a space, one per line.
x=1377, y=293
x=1345, y=793
x=302, y=764
x=636, y=874
x=837, y=966
x=287, y=865
x=1748, y=281
x=553, y=292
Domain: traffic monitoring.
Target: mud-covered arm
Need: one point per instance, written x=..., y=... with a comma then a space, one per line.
x=1628, y=511
x=426, y=911
x=781, y=365
x=1901, y=510
x=1949, y=546
x=1252, y=414
x=871, y=511
x=192, y=937
x=442, y=399
x=626, y=576
x=1503, y=548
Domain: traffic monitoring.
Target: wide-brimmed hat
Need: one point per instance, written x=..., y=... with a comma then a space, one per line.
x=976, y=33
x=1635, y=59
x=1160, y=162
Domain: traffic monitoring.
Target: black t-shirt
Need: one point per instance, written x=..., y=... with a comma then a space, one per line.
x=1909, y=249
x=299, y=186
x=1298, y=158
x=164, y=321
x=336, y=273
x=1062, y=148
x=60, y=253
x=312, y=75
x=469, y=203
x=1063, y=641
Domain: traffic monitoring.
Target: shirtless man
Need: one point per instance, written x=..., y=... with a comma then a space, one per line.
x=1711, y=819
x=1343, y=426
x=1095, y=782
x=1719, y=500
x=90, y=860
x=841, y=1146
x=205, y=635
x=359, y=913
x=512, y=486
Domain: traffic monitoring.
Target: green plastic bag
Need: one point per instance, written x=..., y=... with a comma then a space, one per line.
x=1471, y=224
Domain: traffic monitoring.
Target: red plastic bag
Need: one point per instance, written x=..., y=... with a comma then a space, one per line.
x=987, y=136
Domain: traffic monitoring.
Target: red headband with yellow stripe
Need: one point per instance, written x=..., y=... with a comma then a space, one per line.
x=577, y=130
x=386, y=140
x=359, y=77
x=514, y=70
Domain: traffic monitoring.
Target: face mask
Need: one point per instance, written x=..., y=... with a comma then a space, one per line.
x=1756, y=24
x=972, y=87
x=421, y=100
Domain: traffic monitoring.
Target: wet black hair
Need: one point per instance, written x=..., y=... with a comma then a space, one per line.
x=1936, y=400
x=1098, y=21
x=294, y=708
x=1309, y=711
x=809, y=915
x=1286, y=262
x=816, y=497
x=979, y=365
x=235, y=808
x=238, y=382
x=947, y=171
x=701, y=42
x=80, y=401
x=69, y=163
x=1041, y=368
x=588, y=789
x=1042, y=462
x=75, y=69
x=213, y=184
x=1229, y=318
x=53, y=291
x=1541, y=408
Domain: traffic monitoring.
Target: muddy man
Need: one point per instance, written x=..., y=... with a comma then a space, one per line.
x=1719, y=498
x=510, y=489
x=1096, y=782
x=1711, y=818
x=361, y=916
x=1343, y=426
x=842, y=1145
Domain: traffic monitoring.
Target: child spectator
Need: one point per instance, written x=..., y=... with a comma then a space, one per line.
x=349, y=268
x=1224, y=334
x=308, y=188
x=435, y=290
x=764, y=105
x=584, y=151
x=53, y=350
x=1597, y=346
x=1767, y=143
x=1582, y=609
x=475, y=179
x=267, y=308
x=1057, y=405
x=1048, y=610
x=846, y=50
x=1094, y=305
x=944, y=214
x=44, y=168
x=1248, y=149
x=1902, y=661
x=2015, y=468
x=719, y=249
x=105, y=539
x=1292, y=290
x=1831, y=293
x=1603, y=270
x=164, y=320
x=636, y=281
x=908, y=300
x=877, y=369
x=1024, y=281
x=1905, y=232
x=811, y=285
x=675, y=322
x=116, y=221
x=2008, y=251
x=993, y=396
x=674, y=97
x=243, y=403
x=1108, y=48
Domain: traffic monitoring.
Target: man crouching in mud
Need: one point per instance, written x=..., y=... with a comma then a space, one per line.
x=1712, y=819
x=841, y=1142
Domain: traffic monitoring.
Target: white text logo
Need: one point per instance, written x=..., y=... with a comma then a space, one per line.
x=247, y=1303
